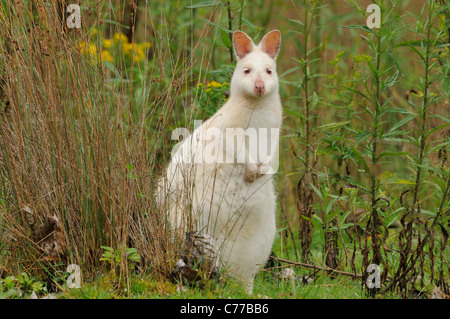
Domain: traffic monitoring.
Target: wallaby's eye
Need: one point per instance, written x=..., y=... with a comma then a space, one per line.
x=269, y=71
x=246, y=70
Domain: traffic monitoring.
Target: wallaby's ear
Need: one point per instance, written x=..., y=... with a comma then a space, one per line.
x=270, y=43
x=243, y=44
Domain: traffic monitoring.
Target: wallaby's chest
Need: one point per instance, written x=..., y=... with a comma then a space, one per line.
x=261, y=117
x=248, y=117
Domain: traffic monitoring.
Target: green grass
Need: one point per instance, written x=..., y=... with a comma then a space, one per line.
x=142, y=287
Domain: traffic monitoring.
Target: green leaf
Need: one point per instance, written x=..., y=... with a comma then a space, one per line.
x=421, y=43
x=296, y=21
x=427, y=212
x=362, y=136
x=333, y=125
x=134, y=257
x=398, y=110
x=388, y=153
x=113, y=69
x=394, y=60
x=402, y=122
x=436, y=129
x=297, y=85
x=218, y=26
x=131, y=251
x=289, y=71
x=106, y=256
x=316, y=191
x=361, y=160
x=116, y=23
x=226, y=40
x=293, y=113
x=403, y=182
x=341, y=227
x=250, y=24
x=372, y=67
x=360, y=27
x=344, y=217
x=204, y=4
x=392, y=80
x=317, y=221
x=120, y=80
x=445, y=119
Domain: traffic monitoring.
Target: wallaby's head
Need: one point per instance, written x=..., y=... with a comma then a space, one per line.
x=255, y=73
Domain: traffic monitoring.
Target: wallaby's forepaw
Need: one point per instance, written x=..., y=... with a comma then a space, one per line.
x=253, y=171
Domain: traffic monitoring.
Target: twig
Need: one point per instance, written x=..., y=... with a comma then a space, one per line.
x=291, y=233
x=317, y=267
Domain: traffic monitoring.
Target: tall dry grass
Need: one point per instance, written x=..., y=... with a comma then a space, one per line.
x=79, y=145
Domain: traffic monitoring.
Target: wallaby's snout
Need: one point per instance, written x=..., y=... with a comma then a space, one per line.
x=259, y=89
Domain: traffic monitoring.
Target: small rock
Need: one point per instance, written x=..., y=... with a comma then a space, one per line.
x=200, y=256
x=439, y=294
x=288, y=273
x=305, y=279
x=181, y=288
x=179, y=264
x=33, y=296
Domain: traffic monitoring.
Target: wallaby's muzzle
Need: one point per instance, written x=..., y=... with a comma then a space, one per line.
x=259, y=88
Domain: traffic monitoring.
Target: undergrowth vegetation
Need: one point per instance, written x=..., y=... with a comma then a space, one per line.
x=86, y=122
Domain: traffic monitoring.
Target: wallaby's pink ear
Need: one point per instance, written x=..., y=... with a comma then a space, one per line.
x=243, y=44
x=270, y=43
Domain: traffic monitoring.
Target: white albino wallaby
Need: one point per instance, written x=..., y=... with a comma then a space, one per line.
x=221, y=187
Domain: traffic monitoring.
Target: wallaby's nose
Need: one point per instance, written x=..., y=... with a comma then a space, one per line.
x=259, y=88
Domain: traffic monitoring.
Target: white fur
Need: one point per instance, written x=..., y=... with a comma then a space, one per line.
x=214, y=197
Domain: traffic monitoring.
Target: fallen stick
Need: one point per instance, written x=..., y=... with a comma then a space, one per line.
x=299, y=264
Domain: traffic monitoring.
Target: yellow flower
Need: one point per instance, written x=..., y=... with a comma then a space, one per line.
x=127, y=48
x=106, y=56
x=88, y=49
x=145, y=45
x=444, y=52
x=214, y=84
x=137, y=58
x=337, y=58
x=92, y=50
x=362, y=58
x=420, y=93
x=138, y=55
x=135, y=51
x=81, y=47
x=442, y=19
x=120, y=37
x=107, y=43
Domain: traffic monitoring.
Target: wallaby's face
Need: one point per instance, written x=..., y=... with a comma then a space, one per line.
x=255, y=73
